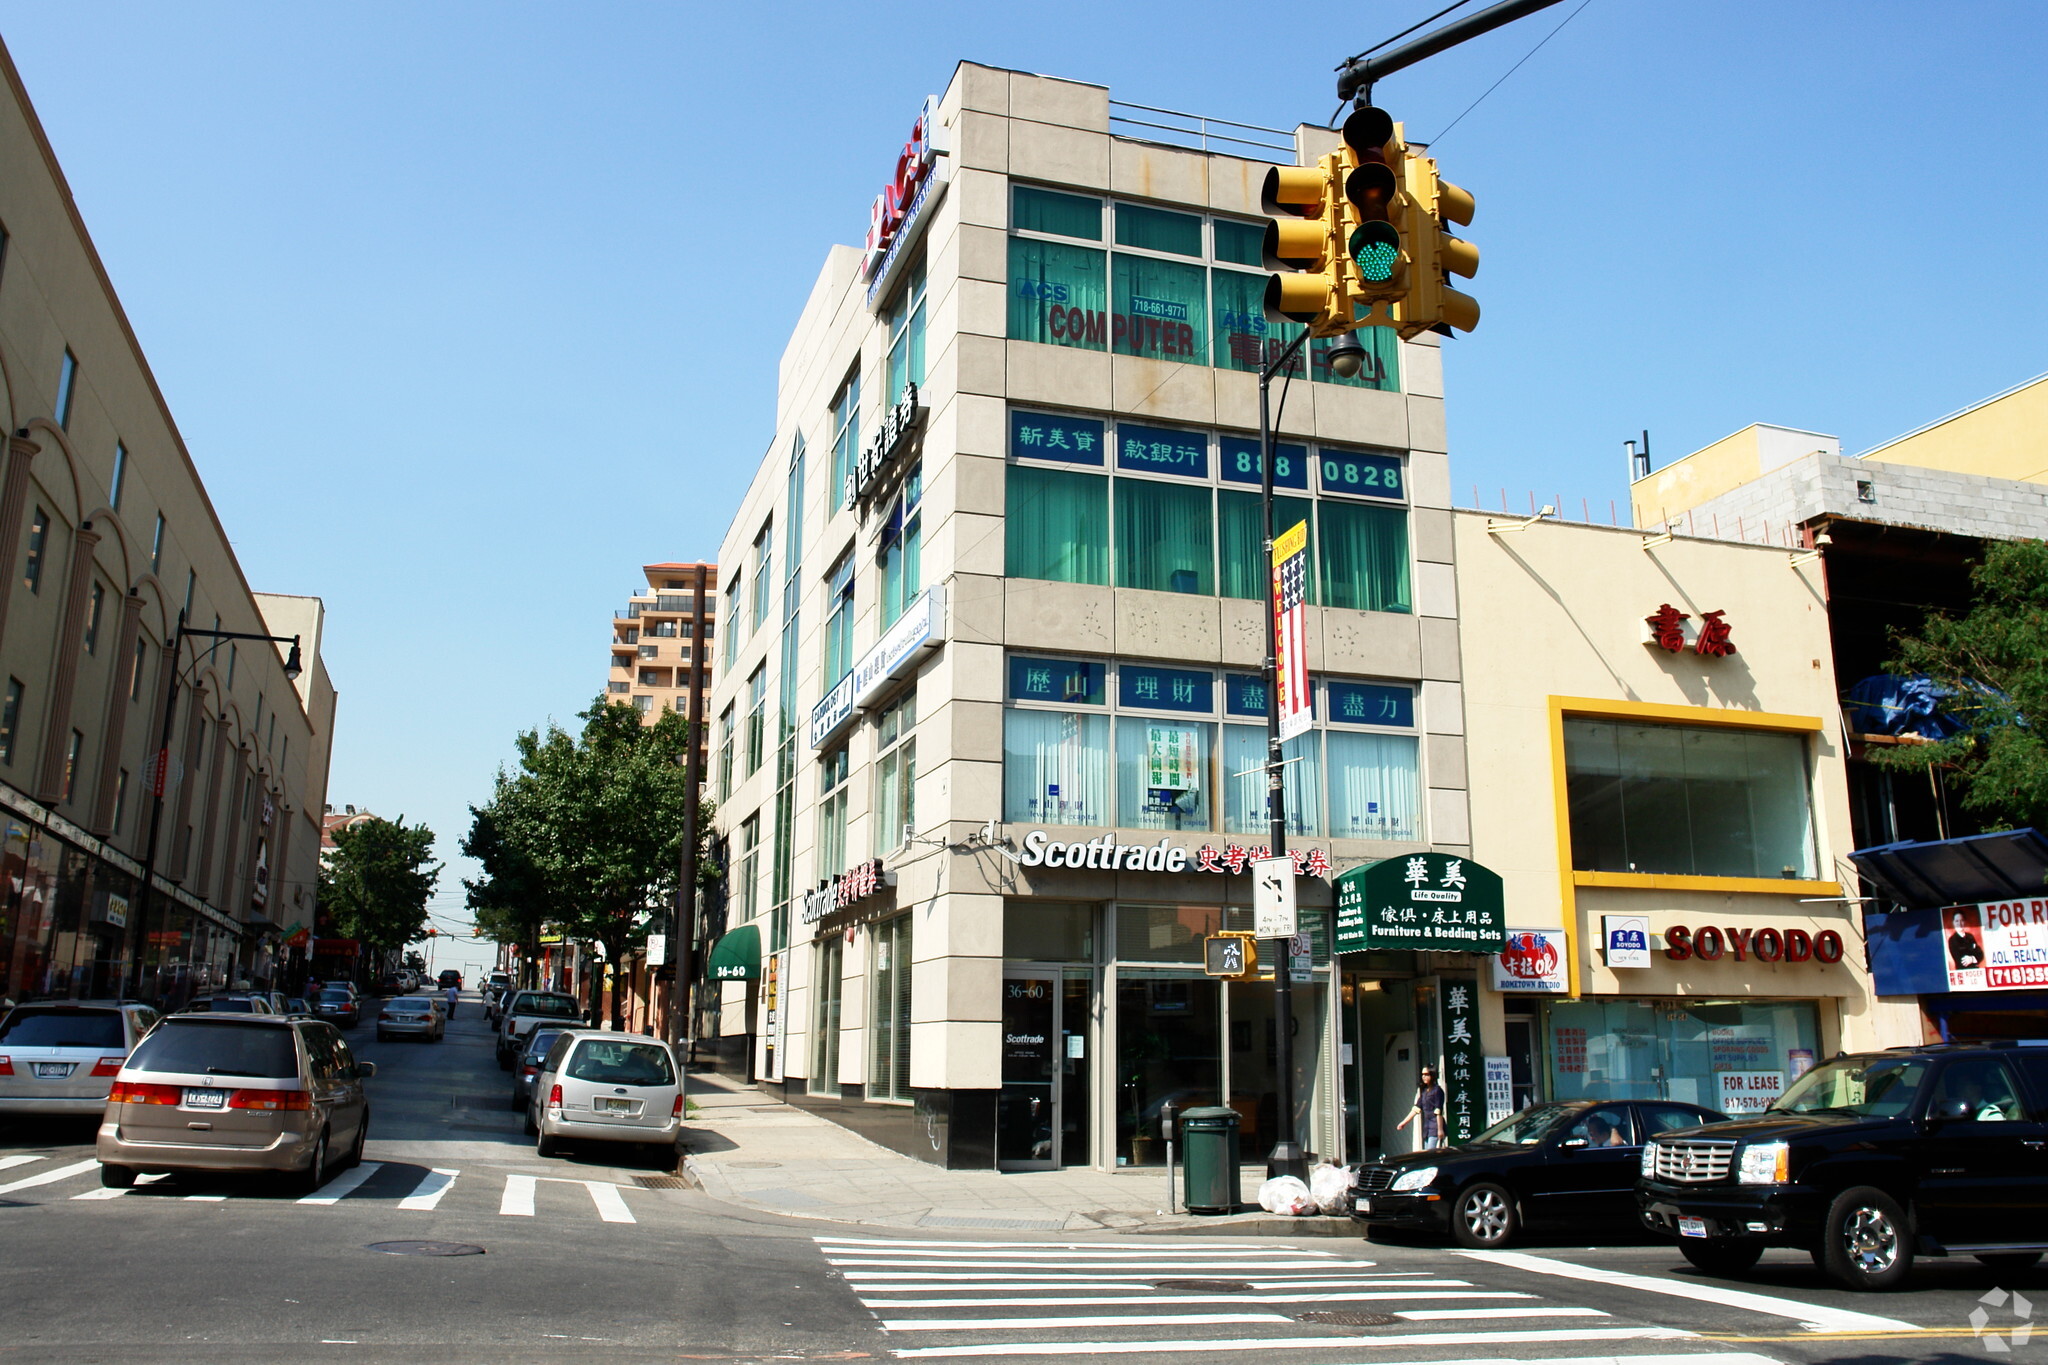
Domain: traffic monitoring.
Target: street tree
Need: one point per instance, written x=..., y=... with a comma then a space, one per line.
x=1992, y=661
x=586, y=833
x=377, y=884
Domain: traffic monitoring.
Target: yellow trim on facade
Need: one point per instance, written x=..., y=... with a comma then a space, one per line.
x=1766, y=886
x=1569, y=880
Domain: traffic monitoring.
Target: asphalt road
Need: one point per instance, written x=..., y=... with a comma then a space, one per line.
x=585, y=1260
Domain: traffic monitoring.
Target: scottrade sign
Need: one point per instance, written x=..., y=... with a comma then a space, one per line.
x=1424, y=902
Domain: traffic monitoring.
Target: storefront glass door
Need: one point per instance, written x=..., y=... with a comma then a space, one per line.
x=1169, y=1055
x=1254, y=1063
x=1027, y=1111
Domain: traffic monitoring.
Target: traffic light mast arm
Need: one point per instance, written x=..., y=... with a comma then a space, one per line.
x=1358, y=74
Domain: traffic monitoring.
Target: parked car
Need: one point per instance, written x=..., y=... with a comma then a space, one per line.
x=339, y=1005
x=234, y=1002
x=451, y=977
x=1572, y=1162
x=389, y=985
x=298, y=1007
x=528, y=1066
x=59, y=1057
x=1867, y=1162
x=236, y=1093
x=411, y=1016
x=606, y=1087
x=529, y=1009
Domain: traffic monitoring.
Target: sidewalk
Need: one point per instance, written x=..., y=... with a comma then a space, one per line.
x=745, y=1148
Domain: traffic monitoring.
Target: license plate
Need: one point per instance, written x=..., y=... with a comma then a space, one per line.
x=611, y=1106
x=1363, y=1206
x=206, y=1099
x=54, y=1071
x=1692, y=1227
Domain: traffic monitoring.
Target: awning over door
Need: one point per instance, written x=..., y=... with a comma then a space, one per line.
x=2008, y=864
x=736, y=956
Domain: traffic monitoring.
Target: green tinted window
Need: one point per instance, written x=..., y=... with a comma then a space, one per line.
x=1158, y=230
x=1165, y=534
x=1246, y=566
x=1240, y=243
x=1364, y=556
x=1069, y=215
x=1056, y=525
x=1059, y=294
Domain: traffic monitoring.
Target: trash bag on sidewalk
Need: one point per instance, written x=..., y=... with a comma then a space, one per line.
x=1285, y=1194
x=1330, y=1186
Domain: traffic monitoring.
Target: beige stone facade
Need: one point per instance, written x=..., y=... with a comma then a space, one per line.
x=657, y=635
x=107, y=540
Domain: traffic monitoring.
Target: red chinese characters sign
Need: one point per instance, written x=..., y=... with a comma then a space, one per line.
x=1667, y=630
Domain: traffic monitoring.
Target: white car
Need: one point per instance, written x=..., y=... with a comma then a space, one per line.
x=598, y=1086
x=60, y=1056
x=411, y=1016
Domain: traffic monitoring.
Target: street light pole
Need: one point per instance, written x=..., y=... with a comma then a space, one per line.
x=160, y=777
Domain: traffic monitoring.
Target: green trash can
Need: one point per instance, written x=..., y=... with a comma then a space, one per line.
x=1208, y=1147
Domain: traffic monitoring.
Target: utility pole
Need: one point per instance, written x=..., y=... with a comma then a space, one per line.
x=679, y=1014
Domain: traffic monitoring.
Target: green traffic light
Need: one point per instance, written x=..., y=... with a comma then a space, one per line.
x=1377, y=249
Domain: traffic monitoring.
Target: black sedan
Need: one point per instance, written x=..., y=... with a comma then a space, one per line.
x=1551, y=1163
x=339, y=1005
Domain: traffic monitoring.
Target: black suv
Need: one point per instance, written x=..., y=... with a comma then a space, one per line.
x=1866, y=1162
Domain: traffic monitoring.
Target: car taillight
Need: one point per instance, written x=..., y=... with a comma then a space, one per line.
x=387, y=1018
x=144, y=1092
x=6, y=1066
x=108, y=1066
x=677, y=1112
x=270, y=1099
x=555, y=1097
x=529, y=1071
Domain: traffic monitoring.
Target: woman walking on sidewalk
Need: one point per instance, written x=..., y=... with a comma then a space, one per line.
x=1429, y=1108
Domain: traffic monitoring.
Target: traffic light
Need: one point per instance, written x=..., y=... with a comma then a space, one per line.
x=1429, y=202
x=1337, y=223
x=1230, y=954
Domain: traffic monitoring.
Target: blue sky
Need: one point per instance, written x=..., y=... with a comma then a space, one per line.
x=467, y=310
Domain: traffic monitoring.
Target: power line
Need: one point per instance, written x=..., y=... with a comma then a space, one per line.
x=1509, y=72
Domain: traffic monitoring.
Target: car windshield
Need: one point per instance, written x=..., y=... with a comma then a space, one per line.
x=58, y=1026
x=550, y=1006
x=224, y=1049
x=1531, y=1126
x=609, y=1063
x=1869, y=1087
x=334, y=995
x=543, y=1039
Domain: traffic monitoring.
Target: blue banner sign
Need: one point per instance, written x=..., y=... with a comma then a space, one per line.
x=1156, y=450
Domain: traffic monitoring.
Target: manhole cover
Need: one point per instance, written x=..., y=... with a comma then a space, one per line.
x=1348, y=1319
x=426, y=1248
x=661, y=1182
x=1205, y=1286
x=751, y=1165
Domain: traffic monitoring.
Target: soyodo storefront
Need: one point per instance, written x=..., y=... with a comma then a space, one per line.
x=1413, y=937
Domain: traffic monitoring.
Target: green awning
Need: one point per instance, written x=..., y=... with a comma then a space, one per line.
x=736, y=956
x=1429, y=902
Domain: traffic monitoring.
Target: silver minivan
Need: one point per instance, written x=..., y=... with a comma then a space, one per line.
x=60, y=1056
x=599, y=1086
x=236, y=1092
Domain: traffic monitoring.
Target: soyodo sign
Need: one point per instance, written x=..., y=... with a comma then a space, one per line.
x=1749, y=1092
x=1423, y=902
x=921, y=630
x=1996, y=946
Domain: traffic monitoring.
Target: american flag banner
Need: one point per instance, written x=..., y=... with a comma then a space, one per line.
x=1290, y=628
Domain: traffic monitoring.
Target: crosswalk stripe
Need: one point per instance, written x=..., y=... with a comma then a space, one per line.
x=1226, y=1297
x=611, y=1205
x=1116, y=1320
x=1150, y=1244
x=1083, y=1279
x=8, y=1163
x=141, y=1182
x=344, y=1184
x=1468, y=1314
x=428, y=1192
x=205, y=1198
x=1075, y=1256
x=50, y=1177
x=1813, y=1317
x=518, y=1198
x=1155, y=1266
x=1359, y=1345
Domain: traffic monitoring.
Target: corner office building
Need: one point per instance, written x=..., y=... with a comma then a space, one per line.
x=988, y=719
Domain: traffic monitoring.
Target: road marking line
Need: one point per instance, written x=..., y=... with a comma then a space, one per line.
x=1106, y=1320
x=204, y=1198
x=8, y=1163
x=518, y=1200
x=344, y=1184
x=428, y=1192
x=1360, y=1344
x=1228, y=1297
x=1322, y=1258
x=50, y=1177
x=1121, y=1279
x=1160, y=1245
x=1813, y=1317
x=611, y=1205
x=1131, y=1268
x=1467, y=1314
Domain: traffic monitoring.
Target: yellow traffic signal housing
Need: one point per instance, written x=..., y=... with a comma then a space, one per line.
x=1337, y=223
x=1302, y=244
x=1429, y=202
x=1230, y=954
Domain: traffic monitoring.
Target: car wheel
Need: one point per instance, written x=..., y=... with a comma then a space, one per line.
x=531, y=1127
x=314, y=1176
x=1484, y=1216
x=1866, y=1240
x=545, y=1144
x=355, y=1153
x=1720, y=1256
x=2011, y=1260
x=504, y=1062
x=117, y=1177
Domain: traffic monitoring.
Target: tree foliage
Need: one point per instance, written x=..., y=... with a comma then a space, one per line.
x=2000, y=759
x=586, y=833
x=377, y=884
